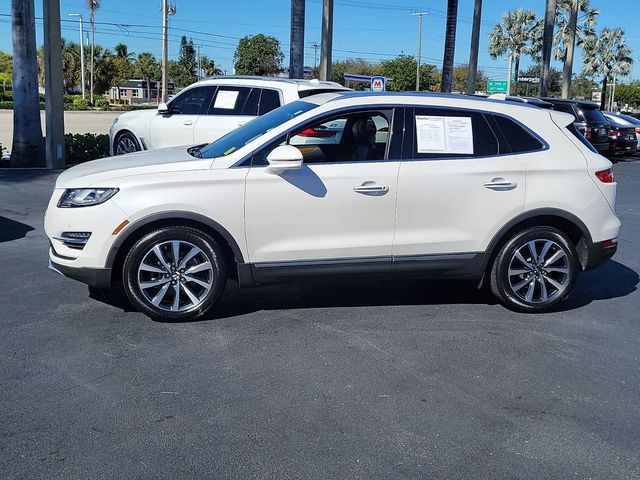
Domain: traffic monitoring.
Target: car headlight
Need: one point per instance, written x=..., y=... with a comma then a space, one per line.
x=85, y=197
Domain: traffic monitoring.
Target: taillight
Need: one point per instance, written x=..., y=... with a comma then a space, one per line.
x=317, y=132
x=637, y=130
x=612, y=243
x=614, y=133
x=587, y=132
x=605, y=176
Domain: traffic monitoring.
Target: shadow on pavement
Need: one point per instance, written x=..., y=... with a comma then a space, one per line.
x=12, y=230
x=612, y=280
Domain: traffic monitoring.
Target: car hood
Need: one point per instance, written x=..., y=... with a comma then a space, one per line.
x=97, y=172
x=145, y=113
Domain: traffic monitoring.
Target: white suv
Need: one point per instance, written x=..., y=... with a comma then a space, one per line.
x=206, y=110
x=459, y=187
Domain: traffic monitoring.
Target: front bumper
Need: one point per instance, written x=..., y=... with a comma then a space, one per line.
x=94, y=277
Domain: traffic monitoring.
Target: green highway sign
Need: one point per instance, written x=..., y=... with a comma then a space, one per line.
x=497, y=86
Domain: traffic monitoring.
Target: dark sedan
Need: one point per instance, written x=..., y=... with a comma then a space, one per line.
x=622, y=135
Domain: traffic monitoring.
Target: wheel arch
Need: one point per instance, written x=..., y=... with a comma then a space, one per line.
x=232, y=253
x=564, y=221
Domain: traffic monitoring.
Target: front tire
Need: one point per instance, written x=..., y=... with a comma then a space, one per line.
x=125, y=143
x=174, y=274
x=535, y=270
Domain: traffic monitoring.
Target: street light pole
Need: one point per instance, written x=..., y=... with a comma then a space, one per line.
x=81, y=55
x=419, y=15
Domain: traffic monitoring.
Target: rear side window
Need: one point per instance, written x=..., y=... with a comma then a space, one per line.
x=564, y=107
x=233, y=101
x=520, y=140
x=590, y=115
x=447, y=133
x=270, y=100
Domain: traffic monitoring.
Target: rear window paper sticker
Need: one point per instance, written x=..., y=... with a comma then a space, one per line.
x=444, y=135
x=226, y=99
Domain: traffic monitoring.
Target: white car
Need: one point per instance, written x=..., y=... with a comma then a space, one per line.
x=208, y=109
x=460, y=187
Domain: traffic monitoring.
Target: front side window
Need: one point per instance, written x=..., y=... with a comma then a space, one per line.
x=361, y=136
x=190, y=102
x=442, y=133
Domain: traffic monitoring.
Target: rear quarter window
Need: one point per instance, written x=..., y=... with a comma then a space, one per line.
x=520, y=139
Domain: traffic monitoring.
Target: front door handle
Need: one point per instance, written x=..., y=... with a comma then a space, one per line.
x=371, y=189
x=188, y=122
x=500, y=184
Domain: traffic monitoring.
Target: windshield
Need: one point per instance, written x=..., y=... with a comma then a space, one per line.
x=238, y=138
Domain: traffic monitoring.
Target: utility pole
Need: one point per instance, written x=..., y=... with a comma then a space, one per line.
x=54, y=90
x=547, y=41
x=475, y=43
x=168, y=10
x=419, y=15
x=567, y=71
x=81, y=55
x=296, y=50
x=315, y=47
x=326, y=42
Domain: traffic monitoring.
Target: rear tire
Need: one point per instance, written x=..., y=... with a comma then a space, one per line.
x=535, y=270
x=174, y=274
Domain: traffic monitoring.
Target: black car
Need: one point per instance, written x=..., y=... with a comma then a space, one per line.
x=622, y=135
x=589, y=120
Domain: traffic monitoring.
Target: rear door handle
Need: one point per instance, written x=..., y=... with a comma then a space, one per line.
x=188, y=122
x=371, y=189
x=500, y=184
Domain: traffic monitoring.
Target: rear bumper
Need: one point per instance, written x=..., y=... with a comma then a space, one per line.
x=599, y=252
x=601, y=147
x=94, y=277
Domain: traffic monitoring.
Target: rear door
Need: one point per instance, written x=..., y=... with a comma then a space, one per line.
x=458, y=184
x=176, y=126
x=232, y=107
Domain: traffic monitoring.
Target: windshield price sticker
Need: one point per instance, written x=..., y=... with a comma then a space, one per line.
x=444, y=135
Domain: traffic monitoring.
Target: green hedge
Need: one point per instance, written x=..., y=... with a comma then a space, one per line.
x=4, y=105
x=84, y=147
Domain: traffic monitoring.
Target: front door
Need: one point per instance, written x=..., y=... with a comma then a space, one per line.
x=336, y=213
x=176, y=126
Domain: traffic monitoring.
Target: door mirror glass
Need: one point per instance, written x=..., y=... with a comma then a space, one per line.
x=163, y=108
x=284, y=157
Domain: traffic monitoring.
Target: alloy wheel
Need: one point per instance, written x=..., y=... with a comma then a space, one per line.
x=539, y=271
x=125, y=145
x=175, y=276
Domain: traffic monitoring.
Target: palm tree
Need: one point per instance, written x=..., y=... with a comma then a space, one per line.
x=209, y=67
x=608, y=55
x=122, y=52
x=26, y=149
x=585, y=28
x=147, y=66
x=475, y=46
x=514, y=35
x=446, y=81
x=92, y=5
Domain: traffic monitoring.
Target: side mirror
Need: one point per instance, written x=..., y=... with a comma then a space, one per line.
x=163, y=109
x=283, y=158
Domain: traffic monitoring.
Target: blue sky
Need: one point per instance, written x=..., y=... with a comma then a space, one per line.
x=382, y=29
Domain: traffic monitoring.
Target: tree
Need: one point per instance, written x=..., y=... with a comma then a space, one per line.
x=528, y=89
x=585, y=28
x=514, y=35
x=209, y=67
x=608, y=55
x=629, y=93
x=27, y=147
x=122, y=52
x=356, y=66
x=104, y=70
x=147, y=68
x=461, y=77
x=6, y=68
x=449, y=46
x=187, y=64
x=472, y=86
x=258, y=55
x=402, y=70
x=123, y=64
x=92, y=5
x=583, y=86
x=71, y=73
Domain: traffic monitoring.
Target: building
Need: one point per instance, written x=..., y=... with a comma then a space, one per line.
x=136, y=91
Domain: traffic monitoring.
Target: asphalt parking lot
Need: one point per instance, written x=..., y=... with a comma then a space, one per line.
x=373, y=379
